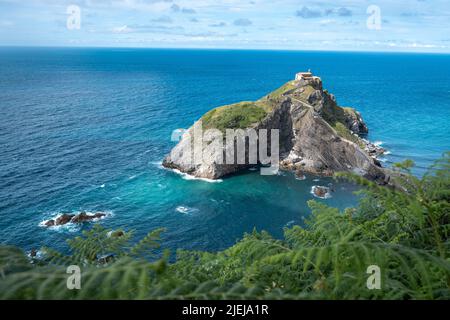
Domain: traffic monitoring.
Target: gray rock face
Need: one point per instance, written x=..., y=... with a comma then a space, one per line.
x=182, y=158
x=309, y=142
x=322, y=151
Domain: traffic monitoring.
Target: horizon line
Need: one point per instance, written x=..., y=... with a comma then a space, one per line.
x=223, y=49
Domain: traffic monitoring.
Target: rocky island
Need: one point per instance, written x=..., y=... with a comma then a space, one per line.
x=316, y=135
x=66, y=218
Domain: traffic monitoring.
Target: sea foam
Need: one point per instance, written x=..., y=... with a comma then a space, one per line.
x=186, y=176
x=185, y=210
x=378, y=143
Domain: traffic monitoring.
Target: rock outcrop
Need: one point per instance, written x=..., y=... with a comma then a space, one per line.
x=63, y=219
x=66, y=218
x=321, y=192
x=315, y=135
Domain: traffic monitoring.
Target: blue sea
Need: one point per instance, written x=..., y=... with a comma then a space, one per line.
x=86, y=130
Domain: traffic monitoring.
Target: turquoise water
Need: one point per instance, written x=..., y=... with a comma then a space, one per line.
x=86, y=129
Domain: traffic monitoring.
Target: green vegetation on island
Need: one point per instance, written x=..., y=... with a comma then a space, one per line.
x=345, y=133
x=404, y=232
x=244, y=114
x=235, y=116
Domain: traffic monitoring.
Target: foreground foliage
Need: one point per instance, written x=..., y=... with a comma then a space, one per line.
x=404, y=233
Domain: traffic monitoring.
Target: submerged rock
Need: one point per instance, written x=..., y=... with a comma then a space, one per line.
x=315, y=134
x=299, y=175
x=321, y=192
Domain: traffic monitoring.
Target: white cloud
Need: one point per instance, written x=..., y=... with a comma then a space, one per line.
x=122, y=29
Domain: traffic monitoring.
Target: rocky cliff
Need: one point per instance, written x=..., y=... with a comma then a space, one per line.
x=315, y=134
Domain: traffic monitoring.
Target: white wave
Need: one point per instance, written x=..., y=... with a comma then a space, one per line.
x=378, y=143
x=184, y=210
x=68, y=227
x=158, y=164
x=102, y=186
x=186, y=176
x=327, y=194
x=382, y=157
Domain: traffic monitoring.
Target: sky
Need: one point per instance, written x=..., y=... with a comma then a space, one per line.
x=351, y=25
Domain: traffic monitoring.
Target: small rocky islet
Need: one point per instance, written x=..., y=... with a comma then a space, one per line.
x=67, y=218
x=321, y=192
x=316, y=135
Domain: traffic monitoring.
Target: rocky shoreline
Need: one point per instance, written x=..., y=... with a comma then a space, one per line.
x=373, y=149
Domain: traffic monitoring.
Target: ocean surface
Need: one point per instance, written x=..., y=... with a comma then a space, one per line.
x=86, y=130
